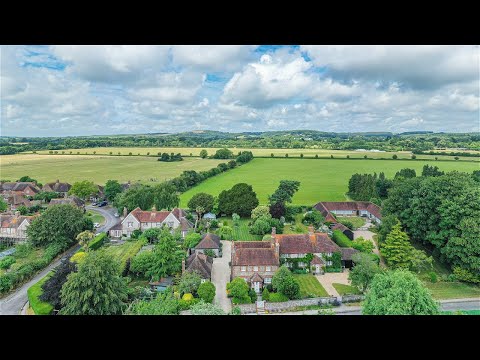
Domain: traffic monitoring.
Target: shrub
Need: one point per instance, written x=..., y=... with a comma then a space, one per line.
x=348, y=224
x=341, y=239
x=78, y=258
x=286, y=155
x=316, y=156
x=213, y=224
x=136, y=234
x=394, y=157
x=23, y=250
x=252, y=294
x=206, y=291
x=97, y=241
x=238, y=301
x=465, y=275
x=5, y=283
x=452, y=278
x=432, y=276
x=277, y=297
x=265, y=294
x=187, y=304
x=236, y=311
x=187, y=297
x=6, y=262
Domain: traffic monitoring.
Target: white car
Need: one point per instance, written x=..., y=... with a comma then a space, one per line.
x=116, y=214
x=96, y=225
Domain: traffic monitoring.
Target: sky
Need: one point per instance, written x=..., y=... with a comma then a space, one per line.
x=95, y=90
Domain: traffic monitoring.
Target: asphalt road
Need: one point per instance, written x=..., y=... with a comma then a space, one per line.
x=13, y=303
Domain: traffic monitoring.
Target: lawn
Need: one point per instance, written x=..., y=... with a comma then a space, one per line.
x=32, y=256
x=99, y=169
x=240, y=232
x=452, y=290
x=355, y=220
x=96, y=217
x=125, y=251
x=34, y=292
x=309, y=285
x=320, y=179
x=343, y=289
x=297, y=227
x=186, y=151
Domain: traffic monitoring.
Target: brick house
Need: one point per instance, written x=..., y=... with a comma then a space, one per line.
x=200, y=263
x=144, y=220
x=349, y=208
x=255, y=261
x=57, y=186
x=13, y=228
x=294, y=246
x=209, y=242
x=19, y=188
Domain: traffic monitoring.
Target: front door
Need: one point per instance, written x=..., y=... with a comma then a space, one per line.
x=256, y=286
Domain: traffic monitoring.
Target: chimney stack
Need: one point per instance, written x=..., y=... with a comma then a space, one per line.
x=277, y=250
x=311, y=230
x=274, y=232
x=183, y=266
x=125, y=212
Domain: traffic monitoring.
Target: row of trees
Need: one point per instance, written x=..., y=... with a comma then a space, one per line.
x=169, y=158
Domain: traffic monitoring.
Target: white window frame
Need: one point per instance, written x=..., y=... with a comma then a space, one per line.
x=268, y=268
x=129, y=224
x=268, y=280
x=243, y=269
x=255, y=268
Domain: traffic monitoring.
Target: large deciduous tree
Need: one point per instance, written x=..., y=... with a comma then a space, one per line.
x=111, y=189
x=204, y=200
x=96, y=289
x=364, y=271
x=223, y=153
x=284, y=192
x=189, y=283
x=240, y=199
x=167, y=257
x=165, y=196
x=83, y=189
x=59, y=224
x=136, y=196
x=398, y=292
x=284, y=282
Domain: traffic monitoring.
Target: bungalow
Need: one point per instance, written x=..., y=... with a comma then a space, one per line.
x=345, y=230
x=297, y=246
x=13, y=228
x=57, y=186
x=200, y=263
x=255, y=261
x=209, y=242
x=349, y=208
x=19, y=188
x=70, y=200
x=143, y=220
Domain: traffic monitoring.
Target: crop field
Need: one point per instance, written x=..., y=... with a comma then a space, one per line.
x=185, y=151
x=320, y=179
x=99, y=169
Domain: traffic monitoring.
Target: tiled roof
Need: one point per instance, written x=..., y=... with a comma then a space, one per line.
x=347, y=253
x=261, y=255
x=326, y=206
x=339, y=226
x=13, y=221
x=317, y=261
x=375, y=210
x=57, y=187
x=305, y=243
x=71, y=200
x=117, y=226
x=209, y=241
x=149, y=216
x=200, y=263
x=18, y=199
x=19, y=186
x=185, y=224
x=325, y=213
x=256, y=278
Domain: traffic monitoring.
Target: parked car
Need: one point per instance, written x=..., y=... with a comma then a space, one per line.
x=96, y=225
x=116, y=214
x=94, y=204
x=103, y=203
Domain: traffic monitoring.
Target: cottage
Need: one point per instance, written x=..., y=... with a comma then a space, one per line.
x=345, y=230
x=14, y=227
x=349, y=208
x=209, y=242
x=15, y=200
x=70, y=200
x=255, y=261
x=200, y=263
x=57, y=186
x=19, y=188
x=297, y=246
x=144, y=220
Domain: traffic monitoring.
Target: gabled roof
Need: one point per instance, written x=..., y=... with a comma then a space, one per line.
x=160, y=216
x=375, y=210
x=256, y=278
x=57, y=186
x=185, y=224
x=325, y=207
x=71, y=200
x=19, y=186
x=325, y=212
x=117, y=226
x=200, y=263
x=317, y=261
x=347, y=253
x=209, y=241
x=305, y=243
x=251, y=255
x=341, y=227
x=13, y=221
x=18, y=199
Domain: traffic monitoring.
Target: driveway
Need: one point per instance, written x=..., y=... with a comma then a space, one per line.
x=221, y=276
x=368, y=235
x=328, y=279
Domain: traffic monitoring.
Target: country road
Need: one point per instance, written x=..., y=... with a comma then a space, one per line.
x=13, y=303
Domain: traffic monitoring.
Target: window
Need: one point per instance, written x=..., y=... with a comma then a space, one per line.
x=244, y=268
x=329, y=263
x=268, y=268
x=329, y=254
x=255, y=268
x=170, y=224
x=159, y=224
x=268, y=280
x=130, y=224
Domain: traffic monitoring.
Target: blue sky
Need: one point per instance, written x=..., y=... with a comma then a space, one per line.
x=86, y=90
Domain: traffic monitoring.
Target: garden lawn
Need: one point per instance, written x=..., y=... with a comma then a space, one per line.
x=452, y=290
x=355, y=220
x=32, y=256
x=320, y=179
x=308, y=153
x=297, y=227
x=99, y=169
x=241, y=232
x=125, y=251
x=96, y=217
x=343, y=289
x=309, y=285
x=34, y=293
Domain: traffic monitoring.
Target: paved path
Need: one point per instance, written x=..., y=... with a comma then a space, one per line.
x=328, y=279
x=445, y=305
x=221, y=276
x=13, y=303
x=368, y=235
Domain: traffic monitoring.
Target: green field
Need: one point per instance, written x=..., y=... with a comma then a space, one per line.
x=96, y=217
x=309, y=285
x=186, y=151
x=99, y=169
x=355, y=220
x=343, y=289
x=321, y=179
x=452, y=290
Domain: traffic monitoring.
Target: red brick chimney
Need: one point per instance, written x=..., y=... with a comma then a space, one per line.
x=125, y=212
